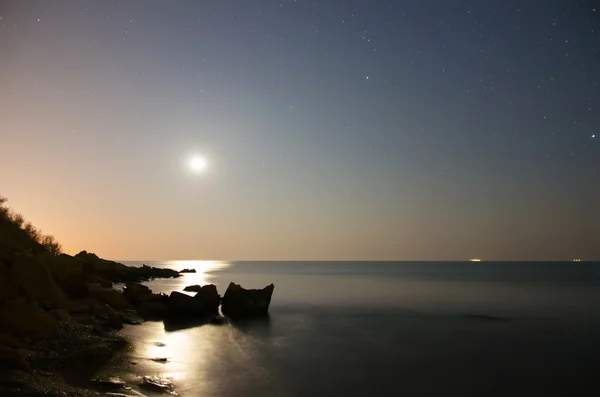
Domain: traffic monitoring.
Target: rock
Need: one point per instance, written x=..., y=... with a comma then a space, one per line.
x=217, y=321
x=111, y=297
x=60, y=314
x=113, y=321
x=135, y=293
x=159, y=359
x=8, y=288
x=152, y=310
x=207, y=300
x=118, y=272
x=34, y=279
x=13, y=359
x=79, y=308
x=188, y=271
x=108, y=270
x=69, y=273
x=193, y=288
x=157, y=384
x=105, y=283
x=204, y=303
x=88, y=360
x=131, y=317
x=112, y=383
x=10, y=341
x=148, y=272
x=75, y=285
x=239, y=302
x=25, y=319
x=180, y=304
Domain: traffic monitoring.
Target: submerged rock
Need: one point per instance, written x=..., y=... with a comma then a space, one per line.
x=239, y=302
x=155, y=383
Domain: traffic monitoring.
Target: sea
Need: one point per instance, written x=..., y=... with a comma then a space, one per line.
x=384, y=329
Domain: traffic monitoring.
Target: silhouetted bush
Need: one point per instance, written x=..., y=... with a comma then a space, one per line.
x=46, y=241
x=33, y=232
x=17, y=219
x=50, y=243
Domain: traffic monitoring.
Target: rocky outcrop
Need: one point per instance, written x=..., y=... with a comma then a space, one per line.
x=193, y=288
x=111, y=297
x=136, y=293
x=13, y=359
x=34, y=280
x=8, y=288
x=240, y=303
x=117, y=272
x=70, y=274
x=153, y=310
x=27, y=319
x=187, y=271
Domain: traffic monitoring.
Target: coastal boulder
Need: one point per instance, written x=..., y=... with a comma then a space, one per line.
x=193, y=288
x=25, y=319
x=239, y=302
x=136, y=293
x=8, y=288
x=34, y=279
x=111, y=297
x=13, y=359
x=108, y=270
x=180, y=304
x=207, y=300
x=69, y=274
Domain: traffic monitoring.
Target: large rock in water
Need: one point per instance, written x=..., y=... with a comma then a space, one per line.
x=180, y=304
x=239, y=302
x=207, y=300
x=204, y=303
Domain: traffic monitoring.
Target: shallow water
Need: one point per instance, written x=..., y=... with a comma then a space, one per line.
x=386, y=329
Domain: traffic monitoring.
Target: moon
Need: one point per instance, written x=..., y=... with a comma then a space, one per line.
x=198, y=164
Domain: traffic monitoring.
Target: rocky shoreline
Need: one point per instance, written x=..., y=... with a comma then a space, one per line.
x=60, y=317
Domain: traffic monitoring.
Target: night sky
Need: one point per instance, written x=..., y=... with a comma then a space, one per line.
x=348, y=130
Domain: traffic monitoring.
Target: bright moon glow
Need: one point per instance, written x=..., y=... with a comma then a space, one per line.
x=198, y=164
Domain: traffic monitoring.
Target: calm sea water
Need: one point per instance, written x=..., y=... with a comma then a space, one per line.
x=386, y=329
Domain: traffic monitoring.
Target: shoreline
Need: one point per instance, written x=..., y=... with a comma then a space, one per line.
x=61, y=316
